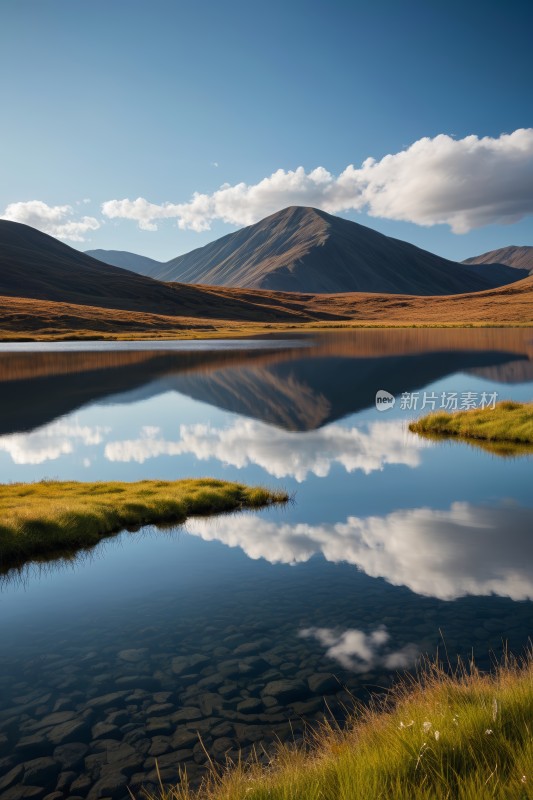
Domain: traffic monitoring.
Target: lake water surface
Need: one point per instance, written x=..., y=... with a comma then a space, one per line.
x=245, y=628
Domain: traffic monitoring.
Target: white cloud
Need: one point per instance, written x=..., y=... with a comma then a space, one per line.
x=466, y=549
x=359, y=652
x=465, y=183
x=57, y=221
x=50, y=442
x=281, y=453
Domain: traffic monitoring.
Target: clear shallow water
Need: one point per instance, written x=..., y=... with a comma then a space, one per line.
x=238, y=627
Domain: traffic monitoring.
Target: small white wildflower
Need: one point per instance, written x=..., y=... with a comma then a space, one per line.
x=494, y=709
x=426, y=726
x=488, y=731
x=420, y=754
x=437, y=736
x=523, y=779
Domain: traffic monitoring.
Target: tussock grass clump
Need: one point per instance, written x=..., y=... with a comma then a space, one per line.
x=461, y=736
x=507, y=422
x=53, y=518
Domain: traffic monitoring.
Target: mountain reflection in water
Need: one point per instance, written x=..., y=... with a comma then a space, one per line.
x=285, y=384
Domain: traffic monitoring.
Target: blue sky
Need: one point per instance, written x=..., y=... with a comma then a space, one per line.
x=118, y=99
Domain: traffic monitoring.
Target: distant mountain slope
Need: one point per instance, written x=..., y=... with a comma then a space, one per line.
x=306, y=250
x=36, y=266
x=512, y=256
x=121, y=258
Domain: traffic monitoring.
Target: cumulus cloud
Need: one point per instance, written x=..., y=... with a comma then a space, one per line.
x=359, y=652
x=466, y=549
x=59, y=221
x=465, y=183
x=50, y=442
x=281, y=453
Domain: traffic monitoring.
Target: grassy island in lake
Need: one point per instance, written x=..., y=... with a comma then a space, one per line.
x=507, y=428
x=466, y=736
x=53, y=518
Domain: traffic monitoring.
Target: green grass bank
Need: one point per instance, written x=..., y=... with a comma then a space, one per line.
x=508, y=423
x=55, y=518
x=466, y=736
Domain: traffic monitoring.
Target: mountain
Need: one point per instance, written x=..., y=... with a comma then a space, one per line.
x=306, y=250
x=121, y=258
x=48, y=289
x=36, y=266
x=517, y=257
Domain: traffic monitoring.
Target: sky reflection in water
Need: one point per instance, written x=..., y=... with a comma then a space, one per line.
x=442, y=521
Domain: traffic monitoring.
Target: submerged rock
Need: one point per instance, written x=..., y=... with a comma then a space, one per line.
x=71, y=755
x=41, y=771
x=286, y=691
x=107, y=785
x=68, y=731
x=250, y=705
x=11, y=777
x=133, y=655
x=323, y=683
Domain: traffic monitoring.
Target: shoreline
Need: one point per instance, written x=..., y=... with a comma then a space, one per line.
x=433, y=736
x=246, y=331
x=508, y=423
x=46, y=520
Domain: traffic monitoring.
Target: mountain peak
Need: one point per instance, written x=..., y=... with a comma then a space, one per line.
x=296, y=214
x=304, y=210
x=305, y=249
x=515, y=256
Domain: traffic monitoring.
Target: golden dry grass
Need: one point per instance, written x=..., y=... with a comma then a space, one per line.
x=52, y=518
x=440, y=736
x=251, y=312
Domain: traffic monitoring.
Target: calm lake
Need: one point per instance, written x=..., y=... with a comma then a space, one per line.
x=237, y=630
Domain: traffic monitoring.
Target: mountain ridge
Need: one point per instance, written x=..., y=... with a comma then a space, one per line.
x=305, y=249
x=35, y=266
x=48, y=289
x=515, y=256
x=142, y=265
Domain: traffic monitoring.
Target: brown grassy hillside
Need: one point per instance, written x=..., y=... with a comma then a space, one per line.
x=241, y=312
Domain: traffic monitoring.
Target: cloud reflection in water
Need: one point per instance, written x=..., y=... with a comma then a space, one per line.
x=281, y=453
x=359, y=652
x=463, y=550
x=51, y=441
